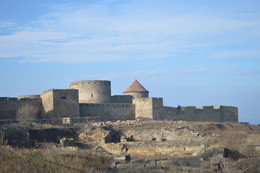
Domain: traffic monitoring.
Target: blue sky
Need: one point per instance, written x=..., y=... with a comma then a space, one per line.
x=188, y=52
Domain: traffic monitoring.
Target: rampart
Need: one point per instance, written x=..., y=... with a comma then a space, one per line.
x=204, y=113
x=147, y=108
x=9, y=106
x=30, y=97
x=191, y=113
x=121, y=99
x=107, y=111
x=93, y=91
x=152, y=108
x=59, y=103
x=92, y=98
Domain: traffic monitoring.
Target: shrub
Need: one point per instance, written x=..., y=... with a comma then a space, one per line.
x=231, y=139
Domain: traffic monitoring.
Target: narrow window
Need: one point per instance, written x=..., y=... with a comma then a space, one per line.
x=92, y=95
x=63, y=97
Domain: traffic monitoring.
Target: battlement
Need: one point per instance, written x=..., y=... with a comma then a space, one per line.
x=90, y=82
x=193, y=108
x=92, y=98
x=121, y=99
x=8, y=99
x=59, y=90
x=212, y=107
x=29, y=97
x=105, y=105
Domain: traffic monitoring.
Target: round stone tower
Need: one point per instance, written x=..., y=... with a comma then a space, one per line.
x=93, y=91
x=136, y=90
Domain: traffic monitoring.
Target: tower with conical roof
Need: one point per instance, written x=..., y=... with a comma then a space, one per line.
x=136, y=90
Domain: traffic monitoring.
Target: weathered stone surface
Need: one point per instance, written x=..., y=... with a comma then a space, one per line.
x=123, y=166
x=185, y=168
x=151, y=163
x=215, y=160
x=165, y=163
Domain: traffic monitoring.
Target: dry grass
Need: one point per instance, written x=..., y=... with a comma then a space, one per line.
x=239, y=166
x=3, y=141
x=232, y=139
x=40, y=161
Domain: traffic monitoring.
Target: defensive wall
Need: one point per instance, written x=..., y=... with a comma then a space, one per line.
x=9, y=106
x=30, y=97
x=93, y=91
x=107, y=111
x=60, y=103
x=93, y=99
x=121, y=99
x=152, y=108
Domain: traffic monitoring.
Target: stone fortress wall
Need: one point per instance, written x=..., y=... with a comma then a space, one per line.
x=60, y=103
x=187, y=113
x=9, y=106
x=93, y=99
x=107, y=111
x=93, y=91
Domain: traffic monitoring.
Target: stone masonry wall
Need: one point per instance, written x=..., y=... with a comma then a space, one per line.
x=96, y=91
x=47, y=102
x=59, y=103
x=144, y=108
x=228, y=114
x=107, y=111
x=36, y=103
x=191, y=113
x=8, y=107
x=204, y=113
x=121, y=99
x=66, y=103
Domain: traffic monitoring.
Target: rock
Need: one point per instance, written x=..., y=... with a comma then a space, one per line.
x=65, y=142
x=151, y=163
x=165, y=163
x=215, y=160
x=125, y=158
x=122, y=166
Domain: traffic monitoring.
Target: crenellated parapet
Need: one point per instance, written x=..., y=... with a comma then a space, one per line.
x=92, y=98
x=29, y=97
x=8, y=99
x=203, y=113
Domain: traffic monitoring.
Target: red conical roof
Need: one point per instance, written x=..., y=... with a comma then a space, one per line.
x=135, y=87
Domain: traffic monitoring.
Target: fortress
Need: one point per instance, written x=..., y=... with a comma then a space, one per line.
x=92, y=98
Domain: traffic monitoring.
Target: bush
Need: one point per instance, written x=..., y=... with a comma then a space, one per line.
x=231, y=139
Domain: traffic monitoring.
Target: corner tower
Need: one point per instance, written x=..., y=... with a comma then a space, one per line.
x=93, y=91
x=136, y=90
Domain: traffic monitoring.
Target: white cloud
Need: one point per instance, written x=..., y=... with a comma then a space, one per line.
x=99, y=33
